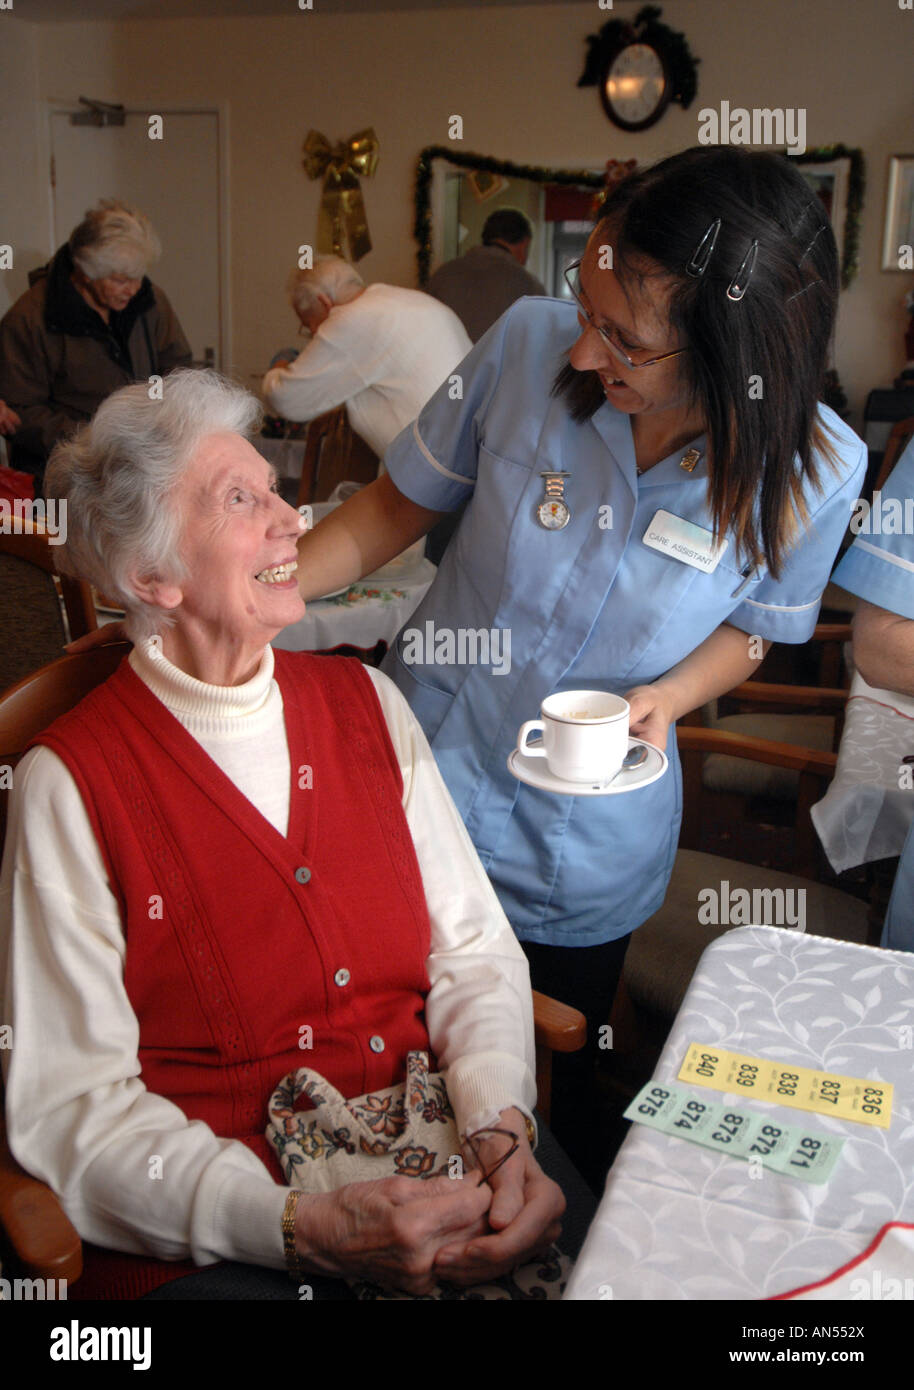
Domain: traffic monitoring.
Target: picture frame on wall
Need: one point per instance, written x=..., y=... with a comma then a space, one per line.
x=899, y=214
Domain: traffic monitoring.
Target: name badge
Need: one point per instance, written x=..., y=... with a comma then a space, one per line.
x=683, y=540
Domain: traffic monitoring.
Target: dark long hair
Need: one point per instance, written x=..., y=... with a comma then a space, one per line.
x=760, y=450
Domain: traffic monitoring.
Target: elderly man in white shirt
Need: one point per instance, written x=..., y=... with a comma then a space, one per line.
x=380, y=350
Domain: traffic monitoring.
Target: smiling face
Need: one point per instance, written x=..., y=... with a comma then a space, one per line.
x=639, y=323
x=239, y=547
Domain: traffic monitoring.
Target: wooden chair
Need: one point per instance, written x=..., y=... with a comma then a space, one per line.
x=43, y=1241
x=32, y=627
x=899, y=439
x=735, y=791
x=333, y=454
x=33, y=1225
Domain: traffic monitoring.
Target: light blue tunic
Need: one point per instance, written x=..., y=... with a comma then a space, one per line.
x=879, y=567
x=588, y=606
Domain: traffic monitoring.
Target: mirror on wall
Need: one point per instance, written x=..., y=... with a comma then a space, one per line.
x=455, y=193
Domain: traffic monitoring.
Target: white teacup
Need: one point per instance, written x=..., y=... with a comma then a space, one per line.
x=585, y=735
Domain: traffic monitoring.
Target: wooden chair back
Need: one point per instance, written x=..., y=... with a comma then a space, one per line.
x=898, y=441
x=333, y=454
x=34, y=1226
x=32, y=629
x=40, y=698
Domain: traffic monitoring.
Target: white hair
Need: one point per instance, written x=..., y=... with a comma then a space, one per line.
x=114, y=239
x=118, y=473
x=330, y=275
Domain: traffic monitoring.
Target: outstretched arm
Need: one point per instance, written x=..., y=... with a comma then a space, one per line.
x=364, y=533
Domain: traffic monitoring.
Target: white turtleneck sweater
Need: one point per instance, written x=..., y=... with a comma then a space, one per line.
x=79, y=1117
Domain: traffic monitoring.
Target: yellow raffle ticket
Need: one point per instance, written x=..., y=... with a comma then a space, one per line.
x=847, y=1097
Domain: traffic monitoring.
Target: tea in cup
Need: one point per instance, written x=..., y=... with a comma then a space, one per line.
x=585, y=735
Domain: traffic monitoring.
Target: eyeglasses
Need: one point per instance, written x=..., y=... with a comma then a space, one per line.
x=474, y=1149
x=573, y=281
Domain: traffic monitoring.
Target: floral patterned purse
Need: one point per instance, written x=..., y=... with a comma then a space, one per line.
x=407, y=1130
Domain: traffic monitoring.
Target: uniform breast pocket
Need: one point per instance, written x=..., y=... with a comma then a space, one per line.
x=482, y=541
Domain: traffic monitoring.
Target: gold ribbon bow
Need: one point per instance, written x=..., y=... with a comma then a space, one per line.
x=342, y=210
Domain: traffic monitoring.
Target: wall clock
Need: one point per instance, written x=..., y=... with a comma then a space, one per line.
x=635, y=89
x=639, y=68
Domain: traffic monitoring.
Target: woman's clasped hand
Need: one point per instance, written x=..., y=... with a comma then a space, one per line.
x=409, y=1234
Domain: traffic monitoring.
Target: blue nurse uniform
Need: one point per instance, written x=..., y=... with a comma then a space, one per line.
x=879, y=567
x=590, y=606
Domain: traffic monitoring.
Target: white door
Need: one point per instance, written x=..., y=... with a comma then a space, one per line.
x=175, y=181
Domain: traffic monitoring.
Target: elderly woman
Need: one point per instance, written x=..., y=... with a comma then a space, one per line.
x=90, y=322
x=219, y=846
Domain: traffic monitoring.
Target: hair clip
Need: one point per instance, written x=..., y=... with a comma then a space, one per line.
x=740, y=282
x=819, y=230
x=704, y=250
x=811, y=286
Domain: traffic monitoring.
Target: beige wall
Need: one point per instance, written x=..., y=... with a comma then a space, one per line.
x=24, y=205
x=511, y=74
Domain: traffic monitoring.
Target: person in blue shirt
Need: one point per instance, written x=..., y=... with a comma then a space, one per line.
x=879, y=568
x=673, y=402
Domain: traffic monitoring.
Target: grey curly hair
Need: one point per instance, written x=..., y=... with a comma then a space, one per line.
x=114, y=239
x=117, y=475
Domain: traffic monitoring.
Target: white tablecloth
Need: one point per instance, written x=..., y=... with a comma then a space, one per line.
x=678, y=1221
x=366, y=613
x=865, y=814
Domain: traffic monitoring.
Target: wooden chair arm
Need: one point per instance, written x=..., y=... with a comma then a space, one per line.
x=558, y=1026
x=811, y=696
x=44, y=1243
x=761, y=750
x=831, y=632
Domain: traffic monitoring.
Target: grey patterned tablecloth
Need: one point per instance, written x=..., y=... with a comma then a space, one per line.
x=678, y=1221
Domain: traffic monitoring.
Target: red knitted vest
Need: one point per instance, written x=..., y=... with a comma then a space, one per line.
x=236, y=935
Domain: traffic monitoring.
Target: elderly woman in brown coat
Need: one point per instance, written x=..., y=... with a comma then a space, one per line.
x=90, y=323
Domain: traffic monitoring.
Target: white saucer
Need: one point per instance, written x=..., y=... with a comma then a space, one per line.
x=535, y=772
